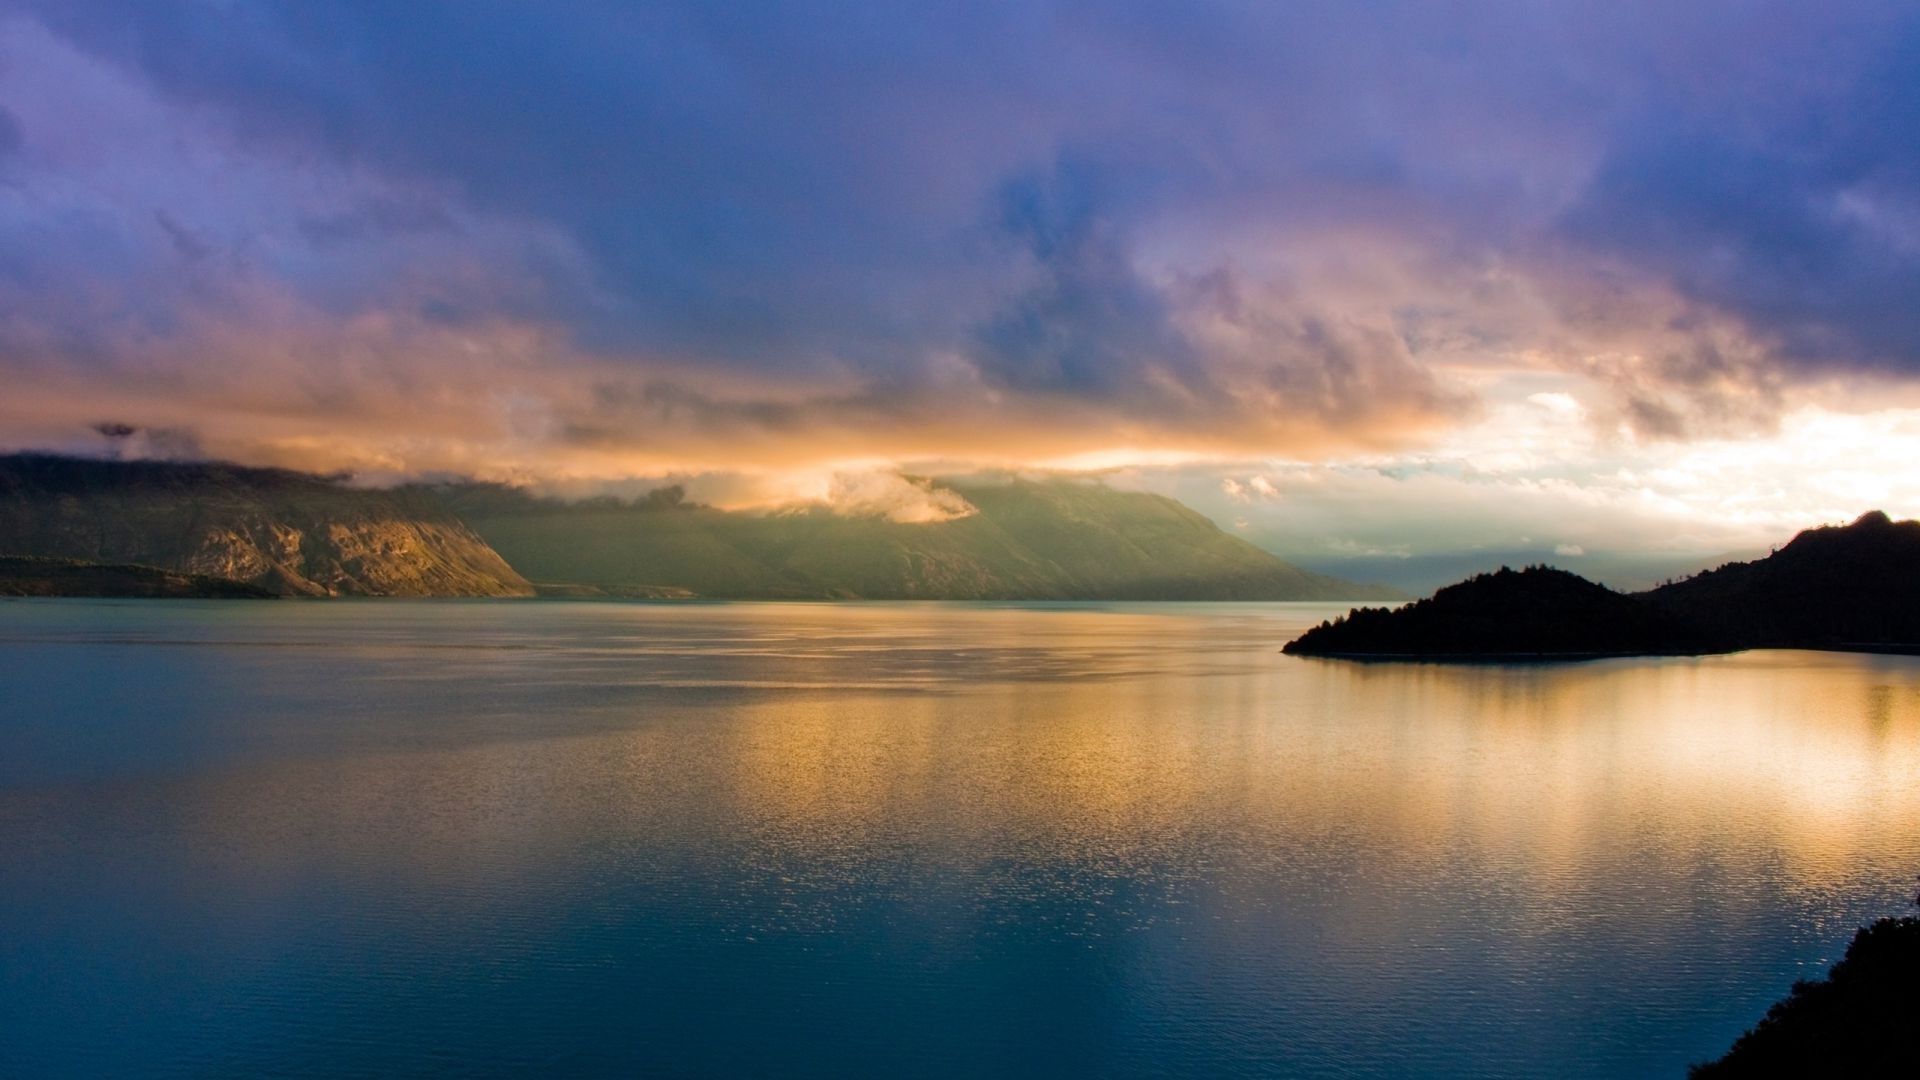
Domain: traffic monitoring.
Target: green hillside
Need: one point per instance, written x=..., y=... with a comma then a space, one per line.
x=298, y=534
x=1058, y=539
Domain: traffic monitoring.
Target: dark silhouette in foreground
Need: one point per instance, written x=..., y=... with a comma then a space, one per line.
x=1863, y=1019
x=1854, y=587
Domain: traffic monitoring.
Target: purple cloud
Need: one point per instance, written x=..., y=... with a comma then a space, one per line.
x=1180, y=224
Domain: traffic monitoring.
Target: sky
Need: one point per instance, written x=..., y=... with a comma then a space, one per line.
x=1366, y=281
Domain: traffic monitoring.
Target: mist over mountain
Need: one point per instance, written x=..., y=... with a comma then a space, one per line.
x=1851, y=587
x=1022, y=539
x=304, y=535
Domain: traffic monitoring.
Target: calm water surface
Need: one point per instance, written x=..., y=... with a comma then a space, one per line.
x=391, y=838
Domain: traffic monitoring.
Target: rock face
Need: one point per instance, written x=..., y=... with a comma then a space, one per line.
x=303, y=535
x=1022, y=540
x=289, y=533
x=1854, y=587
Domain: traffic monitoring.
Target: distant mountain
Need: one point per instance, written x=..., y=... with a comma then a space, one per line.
x=1026, y=540
x=26, y=575
x=294, y=533
x=286, y=532
x=1843, y=587
x=1420, y=574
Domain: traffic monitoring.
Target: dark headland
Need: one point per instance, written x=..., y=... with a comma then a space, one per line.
x=1854, y=587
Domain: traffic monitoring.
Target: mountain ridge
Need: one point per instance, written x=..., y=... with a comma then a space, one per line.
x=1847, y=587
x=1025, y=540
x=300, y=534
x=291, y=533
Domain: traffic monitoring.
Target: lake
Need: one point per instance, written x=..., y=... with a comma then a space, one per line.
x=399, y=838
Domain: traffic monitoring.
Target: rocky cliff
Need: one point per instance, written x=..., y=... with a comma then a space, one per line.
x=290, y=533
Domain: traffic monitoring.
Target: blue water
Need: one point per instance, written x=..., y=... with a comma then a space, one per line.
x=396, y=838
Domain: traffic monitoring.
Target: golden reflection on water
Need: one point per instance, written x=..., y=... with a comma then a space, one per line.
x=1045, y=735
x=1808, y=759
x=1233, y=839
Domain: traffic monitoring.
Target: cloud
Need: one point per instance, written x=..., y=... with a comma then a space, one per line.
x=10, y=137
x=1509, y=488
x=905, y=500
x=595, y=239
x=861, y=491
x=125, y=442
x=1799, y=222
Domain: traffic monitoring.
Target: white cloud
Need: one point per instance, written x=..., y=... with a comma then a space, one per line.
x=1556, y=403
x=897, y=498
x=1527, y=477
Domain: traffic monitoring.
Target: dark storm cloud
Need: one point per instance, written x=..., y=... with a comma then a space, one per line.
x=1801, y=216
x=1174, y=218
x=9, y=133
x=1089, y=323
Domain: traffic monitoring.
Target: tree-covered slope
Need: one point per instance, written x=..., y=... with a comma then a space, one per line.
x=1842, y=587
x=1830, y=587
x=1857, y=1022
x=1536, y=612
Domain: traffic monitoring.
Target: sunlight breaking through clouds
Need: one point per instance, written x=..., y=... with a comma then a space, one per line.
x=1311, y=288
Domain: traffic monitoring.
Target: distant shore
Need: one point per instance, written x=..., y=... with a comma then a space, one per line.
x=32, y=576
